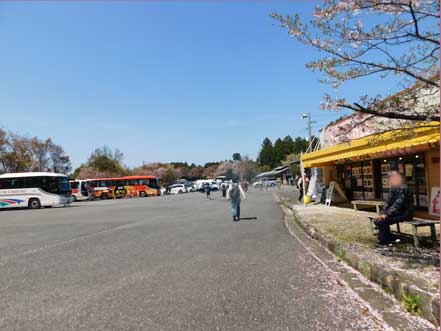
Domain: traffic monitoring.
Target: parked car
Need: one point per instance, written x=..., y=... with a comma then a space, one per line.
x=191, y=188
x=177, y=189
x=200, y=184
x=262, y=183
x=257, y=184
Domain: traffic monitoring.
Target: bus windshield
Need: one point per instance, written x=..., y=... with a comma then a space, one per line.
x=58, y=185
x=63, y=185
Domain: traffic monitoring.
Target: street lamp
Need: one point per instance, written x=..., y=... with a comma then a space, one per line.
x=308, y=116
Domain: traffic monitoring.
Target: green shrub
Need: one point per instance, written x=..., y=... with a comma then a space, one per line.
x=412, y=303
x=365, y=269
x=341, y=255
x=389, y=290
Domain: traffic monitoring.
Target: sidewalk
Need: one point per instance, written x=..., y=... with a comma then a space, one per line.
x=410, y=274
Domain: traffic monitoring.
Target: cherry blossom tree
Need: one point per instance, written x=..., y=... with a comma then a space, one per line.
x=363, y=38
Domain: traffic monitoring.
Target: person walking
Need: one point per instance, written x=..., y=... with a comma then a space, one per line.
x=300, y=186
x=208, y=190
x=398, y=208
x=224, y=190
x=90, y=192
x=235, y=194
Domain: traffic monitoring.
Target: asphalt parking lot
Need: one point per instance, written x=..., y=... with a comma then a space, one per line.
x=165, y=263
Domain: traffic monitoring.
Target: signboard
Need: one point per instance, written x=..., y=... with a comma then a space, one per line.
x=329, y=194
x=434, y=207
x=340, y=192
x=333, y=186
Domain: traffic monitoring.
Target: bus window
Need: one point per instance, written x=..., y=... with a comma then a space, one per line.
x=18, y=183
x=153, y=183
x=100, y=183
x=33, y=181
x=49, y=185
x=119, y=183
x=83, y=186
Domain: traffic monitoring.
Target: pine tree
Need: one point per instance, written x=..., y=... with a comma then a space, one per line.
x=278, y=151
x=300, y=145
x=288, y=146
x=266, y=155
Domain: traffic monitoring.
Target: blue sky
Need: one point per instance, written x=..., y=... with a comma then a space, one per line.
x=170, y=81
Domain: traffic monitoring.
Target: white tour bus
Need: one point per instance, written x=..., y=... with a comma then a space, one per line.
x=34, y=190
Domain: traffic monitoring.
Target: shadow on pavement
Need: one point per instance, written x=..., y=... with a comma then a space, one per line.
x=247, y=218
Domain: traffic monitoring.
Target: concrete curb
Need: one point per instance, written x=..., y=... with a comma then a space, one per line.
x=392, y=282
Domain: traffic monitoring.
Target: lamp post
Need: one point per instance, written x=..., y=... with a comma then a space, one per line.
x=308, y=116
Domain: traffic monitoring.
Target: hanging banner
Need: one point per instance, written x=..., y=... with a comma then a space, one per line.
x=434, y=208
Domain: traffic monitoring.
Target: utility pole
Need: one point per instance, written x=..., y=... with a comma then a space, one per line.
x=309, y=131
x=308, y=115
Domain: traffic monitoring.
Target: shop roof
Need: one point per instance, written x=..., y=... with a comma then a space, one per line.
x=376, y=145
x=276, y=171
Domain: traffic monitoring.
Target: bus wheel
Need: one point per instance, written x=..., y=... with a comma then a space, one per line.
x=104, y=196
x=34, y=203
x=142, y=194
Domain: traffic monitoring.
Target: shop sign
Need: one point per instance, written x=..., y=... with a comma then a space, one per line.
x=435, y=202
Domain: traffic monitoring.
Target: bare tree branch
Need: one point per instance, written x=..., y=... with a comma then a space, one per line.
x=390, y=114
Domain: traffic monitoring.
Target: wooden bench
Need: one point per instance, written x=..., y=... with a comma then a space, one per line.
x=415, y=223
x=371, y=203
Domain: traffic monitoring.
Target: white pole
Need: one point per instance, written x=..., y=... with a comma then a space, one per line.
x=302, y=174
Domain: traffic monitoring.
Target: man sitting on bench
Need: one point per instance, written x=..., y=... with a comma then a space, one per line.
x=398, y=208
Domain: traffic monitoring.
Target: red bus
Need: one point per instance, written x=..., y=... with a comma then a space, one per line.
x=127, y=186
x=142, y=186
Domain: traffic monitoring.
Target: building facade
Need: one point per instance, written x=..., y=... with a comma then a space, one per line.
x=360, y=160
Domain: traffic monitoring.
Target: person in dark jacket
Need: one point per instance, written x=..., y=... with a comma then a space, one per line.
x=224, y=190
x=398, y=208
x=207, y=189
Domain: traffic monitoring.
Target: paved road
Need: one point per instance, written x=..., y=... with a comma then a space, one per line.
x=166, y=263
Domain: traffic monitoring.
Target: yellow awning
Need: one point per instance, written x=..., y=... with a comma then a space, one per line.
x=375, y=145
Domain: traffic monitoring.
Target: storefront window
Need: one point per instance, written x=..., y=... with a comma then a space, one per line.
x=368, y=180
x=358, y=180
x=412, y=167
